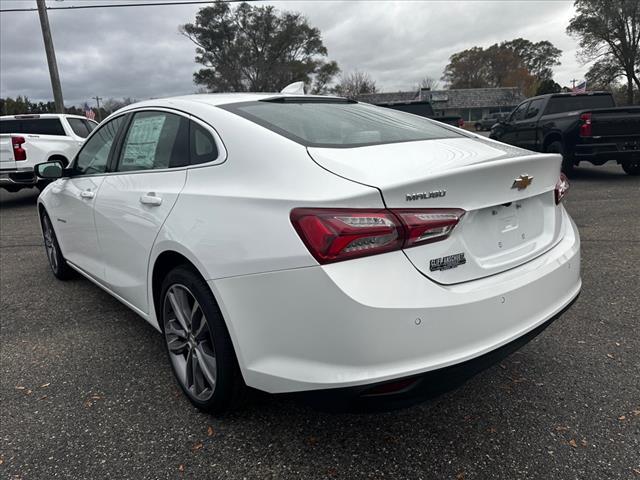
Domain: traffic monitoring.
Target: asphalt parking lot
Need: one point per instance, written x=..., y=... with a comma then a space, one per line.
x=86, y=391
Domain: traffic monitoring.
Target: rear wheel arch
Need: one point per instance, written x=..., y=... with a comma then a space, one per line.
x=164, y=263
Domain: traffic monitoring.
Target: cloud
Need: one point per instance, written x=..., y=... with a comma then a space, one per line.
x=138, y=52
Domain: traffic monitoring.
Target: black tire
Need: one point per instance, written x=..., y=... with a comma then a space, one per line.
x=568, y=166
x=632, y=168
x=204, y=350
x=58, y=264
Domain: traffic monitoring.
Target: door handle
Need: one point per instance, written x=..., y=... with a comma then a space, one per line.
x=151, y=199
x=87, y=194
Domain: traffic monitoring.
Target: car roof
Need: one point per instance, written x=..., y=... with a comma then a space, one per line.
x=218, y=99
x=38, y=116
x=568, y=94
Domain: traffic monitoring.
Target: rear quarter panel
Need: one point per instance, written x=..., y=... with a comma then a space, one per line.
x=232, y=219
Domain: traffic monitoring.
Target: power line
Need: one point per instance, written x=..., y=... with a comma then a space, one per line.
x=120, y=5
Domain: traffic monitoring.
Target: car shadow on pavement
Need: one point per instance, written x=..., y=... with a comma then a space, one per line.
x=18, y=199
x=608, y=172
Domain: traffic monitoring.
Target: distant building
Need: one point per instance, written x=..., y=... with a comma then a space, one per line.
x=469, y=103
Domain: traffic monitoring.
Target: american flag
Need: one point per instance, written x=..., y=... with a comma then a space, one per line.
x=88, y=112
x=581, y=87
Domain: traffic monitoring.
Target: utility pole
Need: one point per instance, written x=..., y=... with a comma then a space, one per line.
x=573, y=82
x=51, y=56
x=97, y=99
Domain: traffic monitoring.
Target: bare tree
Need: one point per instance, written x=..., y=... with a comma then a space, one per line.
x=355, y=83
x=609, y=32
x=428, y=83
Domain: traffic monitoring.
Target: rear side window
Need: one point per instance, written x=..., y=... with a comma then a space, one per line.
x=578, y=102
x=155, y=140
x=81, y=127
x=202, y=145
x=35, y=126
x=340, y=123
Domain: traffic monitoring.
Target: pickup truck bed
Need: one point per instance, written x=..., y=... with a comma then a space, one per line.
x=615, y=135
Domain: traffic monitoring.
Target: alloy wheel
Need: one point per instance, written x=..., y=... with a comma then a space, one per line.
x=189, y=342
x=50, y=243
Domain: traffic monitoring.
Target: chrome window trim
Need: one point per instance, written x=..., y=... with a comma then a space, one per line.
x=220, y=159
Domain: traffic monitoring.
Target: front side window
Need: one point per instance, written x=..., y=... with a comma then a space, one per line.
x=155, y=140
x=81, y=127
x=534, y=108
x=338, y=123
x=94, y=155
x=518, y=113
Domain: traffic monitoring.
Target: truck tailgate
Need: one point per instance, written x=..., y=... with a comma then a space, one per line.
x=621, y=121
x=6, y=152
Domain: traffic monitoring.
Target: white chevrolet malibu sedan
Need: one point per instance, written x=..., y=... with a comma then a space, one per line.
x=359, y=256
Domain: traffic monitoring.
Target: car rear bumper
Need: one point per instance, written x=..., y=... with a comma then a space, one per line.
x=17, y=176
x=402, y=393
x=599, y=153
x=376, y=319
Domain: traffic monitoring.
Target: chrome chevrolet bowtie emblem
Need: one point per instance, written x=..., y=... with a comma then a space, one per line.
x=522, y=182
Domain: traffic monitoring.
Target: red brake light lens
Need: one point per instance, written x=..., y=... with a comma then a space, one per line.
x=335, y=234
x=19, y=153
x=562, y=188
x=429, y=225
x=338, y=234
x=585, y=126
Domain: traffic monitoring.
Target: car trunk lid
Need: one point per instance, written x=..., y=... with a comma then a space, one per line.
x=503, y=227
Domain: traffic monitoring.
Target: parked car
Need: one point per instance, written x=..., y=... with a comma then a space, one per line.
x=359, y=256
x=424, y=109
x=582, y=127
x=489, y=121
x=26, y=140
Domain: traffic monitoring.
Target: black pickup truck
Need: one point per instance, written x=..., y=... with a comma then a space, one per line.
x=424, y=109
x=582, y=127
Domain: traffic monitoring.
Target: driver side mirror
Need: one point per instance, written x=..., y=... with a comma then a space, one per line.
x=49, y=170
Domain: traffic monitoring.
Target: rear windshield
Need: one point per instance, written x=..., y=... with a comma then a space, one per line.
x=34, y=126
x=579, y=102
x=339, y=124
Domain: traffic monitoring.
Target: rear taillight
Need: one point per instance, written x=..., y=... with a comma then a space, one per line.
x=335, y=234
x=338, y=234
x=562, y=188
x=585, y=125
x=460, y=123
x=427, y=226
x=19, y=153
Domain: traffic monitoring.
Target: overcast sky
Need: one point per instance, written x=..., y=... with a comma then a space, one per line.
x=137, y=51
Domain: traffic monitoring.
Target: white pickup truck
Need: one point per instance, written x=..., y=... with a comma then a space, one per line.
x=26, y=140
